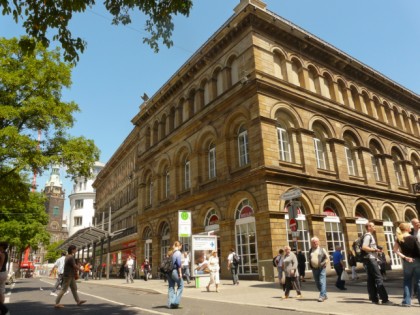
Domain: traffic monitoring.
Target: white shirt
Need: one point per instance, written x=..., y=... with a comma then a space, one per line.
x=130, y=263
x=59, y=264
x=185, y=260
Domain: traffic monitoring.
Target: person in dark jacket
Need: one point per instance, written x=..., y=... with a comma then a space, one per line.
x=301, y=265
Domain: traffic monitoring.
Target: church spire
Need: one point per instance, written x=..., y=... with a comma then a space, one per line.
x=54, y=180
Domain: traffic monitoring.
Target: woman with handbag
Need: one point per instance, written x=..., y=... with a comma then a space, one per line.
x=290, y=265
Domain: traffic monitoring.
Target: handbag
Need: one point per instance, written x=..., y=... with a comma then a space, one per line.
x=344, y=276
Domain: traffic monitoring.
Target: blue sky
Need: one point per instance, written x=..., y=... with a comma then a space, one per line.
x=117, y=68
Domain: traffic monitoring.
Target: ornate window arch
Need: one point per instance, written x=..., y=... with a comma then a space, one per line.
x=211, y=221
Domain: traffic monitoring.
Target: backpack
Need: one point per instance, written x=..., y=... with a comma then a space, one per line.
x=275, y=261
x=236, y=260
x=359, y=254
x=166, y=266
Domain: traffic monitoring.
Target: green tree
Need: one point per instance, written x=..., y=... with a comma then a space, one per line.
x=52, y=252
x=39, y=17
x=30, y=103
x=22, y=216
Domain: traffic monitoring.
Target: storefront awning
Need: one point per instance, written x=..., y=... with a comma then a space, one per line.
x=85, y=237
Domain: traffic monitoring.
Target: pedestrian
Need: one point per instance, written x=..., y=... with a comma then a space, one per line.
x=185, y=263
x=290, y=265
x=279, y=264
x=339, y=267
x=130, y=267
x=71, y=269
x=301, y=265
x=352, y=263
x=406, y=246
x=59, y=268
x=233, y=267
x=318, y=260
x=3, y=277
x=415, y=232
x=86, y=270
x=175, y=277
x=375, y=283
x=214, y=267
x=146, y=268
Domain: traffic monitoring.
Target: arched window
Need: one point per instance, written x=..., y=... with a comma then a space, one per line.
x=398, y=167
x=296, y=75
x=351, y=155
x=212, y=161
x=149, y=191
x=376, y=161
x=211, y=222
x=243, y=153
x=342, y=93
x=234, y=71
x=416, y=167
x=279, y=66
x=313, y=80
x=164, y=242
x=333, y=229
x=389, y=233
x=284, y=144
x=320, y=147
x=326, y=86
x=361, y=220
x=187, y=174
x=147, y=237
x=207, y=93
x=219, y=82
x=155, y=132
x=246, y=238
x=167, y=183
x=378, y=108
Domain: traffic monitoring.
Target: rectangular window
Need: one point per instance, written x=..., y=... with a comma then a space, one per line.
x=243, y=148
x=212, y=163
x=284, y=145
x=78, y=204
x=187, y=182
x=56, y=210
x=78, y=221
x=319, y=154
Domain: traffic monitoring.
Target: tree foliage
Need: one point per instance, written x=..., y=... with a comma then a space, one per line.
x=52, y=252
x=30, y=102
x=22, y=216
x=41, y=16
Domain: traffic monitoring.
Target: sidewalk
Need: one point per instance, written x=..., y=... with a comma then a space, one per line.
x=267, y=294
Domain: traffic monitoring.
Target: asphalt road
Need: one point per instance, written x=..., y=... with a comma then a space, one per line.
x=32, y=296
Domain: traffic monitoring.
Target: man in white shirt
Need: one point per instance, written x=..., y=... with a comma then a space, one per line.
x=318, y=260
x=59, y=265
x=233, y=267
x=130, y=266
x=185, y=264
x=375, y=283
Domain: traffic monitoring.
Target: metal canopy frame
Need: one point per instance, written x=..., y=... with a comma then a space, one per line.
x=84, y=237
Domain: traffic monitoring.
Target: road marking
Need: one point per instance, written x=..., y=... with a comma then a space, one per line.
x=8, y=294
x=118, y=303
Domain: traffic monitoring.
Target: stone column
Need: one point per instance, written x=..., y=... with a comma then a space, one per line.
x=389, y=171
x=366, y=170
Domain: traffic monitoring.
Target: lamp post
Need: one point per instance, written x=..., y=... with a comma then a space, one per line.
x=108, y=257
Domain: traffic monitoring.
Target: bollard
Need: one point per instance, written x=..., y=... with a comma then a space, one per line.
x=263, y=273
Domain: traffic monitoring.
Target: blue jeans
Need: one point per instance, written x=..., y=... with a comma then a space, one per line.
x=410, y=270
x=320, y=277
x=174, y=297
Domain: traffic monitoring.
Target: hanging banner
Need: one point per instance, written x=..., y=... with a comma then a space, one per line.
x=184, y=223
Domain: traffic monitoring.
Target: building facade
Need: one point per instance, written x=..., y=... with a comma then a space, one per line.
x=82, y=200
x=261, y=108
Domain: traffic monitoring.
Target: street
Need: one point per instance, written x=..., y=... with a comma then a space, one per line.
x=32, y=296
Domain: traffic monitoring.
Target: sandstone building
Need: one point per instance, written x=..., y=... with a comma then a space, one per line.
x=261, y=108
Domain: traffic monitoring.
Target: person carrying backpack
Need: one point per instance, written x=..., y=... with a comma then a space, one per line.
x=175, y=277
x=233, y=266
x=278, y=263
x=375, y=283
